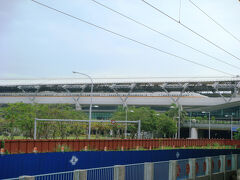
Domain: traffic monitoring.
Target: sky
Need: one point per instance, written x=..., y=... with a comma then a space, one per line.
x=36, y=42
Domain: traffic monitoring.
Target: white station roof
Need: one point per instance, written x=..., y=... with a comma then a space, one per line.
x=98, y=80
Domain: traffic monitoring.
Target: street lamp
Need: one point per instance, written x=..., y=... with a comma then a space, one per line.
x=231, y=124
x=90, y=108
x=209, y=130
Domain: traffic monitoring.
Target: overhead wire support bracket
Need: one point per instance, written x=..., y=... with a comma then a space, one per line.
x=179, y=12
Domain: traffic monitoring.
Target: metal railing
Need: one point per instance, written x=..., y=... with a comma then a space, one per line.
x=166, y=170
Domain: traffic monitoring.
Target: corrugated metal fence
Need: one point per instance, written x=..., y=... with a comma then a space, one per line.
x=27, y=146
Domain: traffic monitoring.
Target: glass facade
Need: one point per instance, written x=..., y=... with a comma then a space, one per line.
x=221, y=113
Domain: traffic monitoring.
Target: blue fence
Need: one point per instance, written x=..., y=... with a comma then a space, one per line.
x=43, y=163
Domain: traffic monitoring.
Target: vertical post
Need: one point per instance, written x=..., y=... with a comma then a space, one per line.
x=190, y=124
x=209, y=131
x=90, y=107
x=119, y=172
x=172, y=170
x=35, y=129
x=179, y=119
x=126, y=111
x=80, y=174
x=234, y=161
x=209, y=166
x=192, y=163
x=223, y=162
x=139, y=129
x=148, y=171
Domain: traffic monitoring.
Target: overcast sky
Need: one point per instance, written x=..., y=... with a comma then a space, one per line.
x=36, y=42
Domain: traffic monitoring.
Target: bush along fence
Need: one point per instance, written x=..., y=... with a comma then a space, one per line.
x=215, y=168
x=30, y=146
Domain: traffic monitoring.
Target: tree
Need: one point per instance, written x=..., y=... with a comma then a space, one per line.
x=166, y=126
x=158, y=124
x=237, y=134
x=62, y=129
x=19, y=118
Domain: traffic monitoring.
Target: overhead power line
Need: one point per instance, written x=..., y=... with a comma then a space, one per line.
x=130, y=39
x=164, y=35
x=188, y=28
x=221, y=26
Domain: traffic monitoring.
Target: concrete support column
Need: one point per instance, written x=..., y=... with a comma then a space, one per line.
x=194, y=133
x=80, y=175
x=192, y=163
x=172, y=170
x=119, y=172
x=26, y=178
x=148, y=171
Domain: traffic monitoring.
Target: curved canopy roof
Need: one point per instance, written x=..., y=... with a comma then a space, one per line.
x=141, y=80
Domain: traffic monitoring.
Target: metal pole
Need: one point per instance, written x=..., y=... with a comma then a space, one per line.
x=90, y=108
x=35, y=129
x=139, y=129
x=209, y=131
x=190, y=124
x=231, y=127
x=125, y=131
x=179, y=114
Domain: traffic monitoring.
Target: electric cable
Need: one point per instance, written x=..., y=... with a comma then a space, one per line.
x=186, y=27
x=133, y=40
x=165, y=35
x=221, y=26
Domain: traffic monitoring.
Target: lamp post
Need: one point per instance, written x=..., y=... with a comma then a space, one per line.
x=90, y=108
x=209, y=125
x=231, y=124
